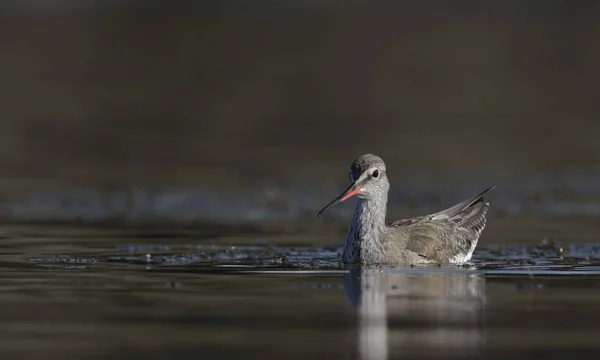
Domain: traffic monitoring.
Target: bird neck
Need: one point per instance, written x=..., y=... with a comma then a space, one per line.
x=367, y=228
x=369, y=217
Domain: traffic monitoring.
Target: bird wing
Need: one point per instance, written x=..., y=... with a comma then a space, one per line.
x=446, y=233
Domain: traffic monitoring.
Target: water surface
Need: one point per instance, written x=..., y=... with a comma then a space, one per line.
x=82, y=293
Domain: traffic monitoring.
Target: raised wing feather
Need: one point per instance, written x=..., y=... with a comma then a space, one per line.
x=457, y=213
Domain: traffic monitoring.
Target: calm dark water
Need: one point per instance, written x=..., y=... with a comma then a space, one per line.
x=90, y=294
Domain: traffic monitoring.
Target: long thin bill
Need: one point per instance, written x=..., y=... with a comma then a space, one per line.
x=347, y=194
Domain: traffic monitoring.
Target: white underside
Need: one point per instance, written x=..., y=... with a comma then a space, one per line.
x=464, y=257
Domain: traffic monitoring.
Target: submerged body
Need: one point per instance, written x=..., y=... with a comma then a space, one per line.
x=449, y=236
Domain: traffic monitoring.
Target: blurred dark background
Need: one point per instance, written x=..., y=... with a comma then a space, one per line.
x=239, y=110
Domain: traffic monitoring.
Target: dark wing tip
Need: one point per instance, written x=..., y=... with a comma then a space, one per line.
x=485, y=191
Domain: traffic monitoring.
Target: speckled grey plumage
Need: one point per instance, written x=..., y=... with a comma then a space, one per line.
x=449, y=236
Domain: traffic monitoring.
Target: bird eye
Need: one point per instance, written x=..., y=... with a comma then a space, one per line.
x=375, y=173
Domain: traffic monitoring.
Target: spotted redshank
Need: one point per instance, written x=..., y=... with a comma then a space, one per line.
x=448, y=236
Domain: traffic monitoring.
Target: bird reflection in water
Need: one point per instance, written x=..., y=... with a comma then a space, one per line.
x=411, y=311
